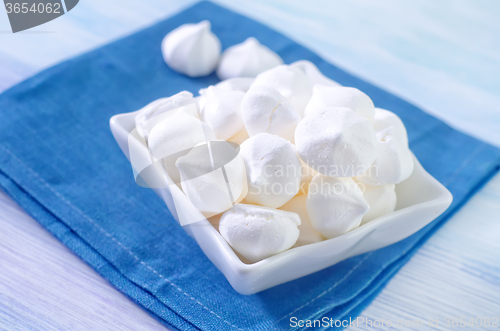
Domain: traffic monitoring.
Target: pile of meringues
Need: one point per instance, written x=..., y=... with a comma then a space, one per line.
x=283, y=155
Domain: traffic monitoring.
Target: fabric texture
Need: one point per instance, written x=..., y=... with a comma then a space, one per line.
x=59, y=161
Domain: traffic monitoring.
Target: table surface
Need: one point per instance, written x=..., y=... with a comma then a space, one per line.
x=443, y=56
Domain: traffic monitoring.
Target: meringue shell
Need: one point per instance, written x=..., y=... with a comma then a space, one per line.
x=291, y=82
x=192, y=49
x=264, y=109
x=313, y=73
x=393, y=164
x=257, y=232
x=384, y=119
x=247, y=59
x=335, y=205
x=221, y=111
x=336, y=142
x=340, y=96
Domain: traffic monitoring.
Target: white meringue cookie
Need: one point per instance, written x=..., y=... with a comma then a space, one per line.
x=174, y=137
x=162, y=106
x=307, y=233
x=273, y=170
x=384, y=119
x=221, y=111
x=340, y=96
x=381, y=198
x=192, y=49
x=335, y=205
x=291, y=82
x=336, y=142
x=247, y=59
x=257, y=232
x=393, y=164
x=233, y=84
x=212, y=176
x=264, y=109
x=312, y=72
x=237, y=84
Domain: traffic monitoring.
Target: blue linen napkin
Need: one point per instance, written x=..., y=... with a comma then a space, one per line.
x=59, y=161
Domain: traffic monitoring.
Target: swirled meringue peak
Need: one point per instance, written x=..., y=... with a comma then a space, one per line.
x=247, y=59
x=192, y=49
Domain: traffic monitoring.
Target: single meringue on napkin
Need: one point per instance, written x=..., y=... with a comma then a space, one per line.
x=381, y=198
x=336, y=142
x=221, y=111
x=307, y=233
x=247, y=59
x=273, y=170
x=166, y=107
x=213, y=176
x=257, y=232
x=192, y=49
x=384, y=119
x=264, y=109
x=393, y=164
x=340, y=96
x=174, y=137
x=291, y=82
x=313, y=73
x=335, y=205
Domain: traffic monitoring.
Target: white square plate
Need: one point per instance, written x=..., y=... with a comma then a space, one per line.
x=421, y=199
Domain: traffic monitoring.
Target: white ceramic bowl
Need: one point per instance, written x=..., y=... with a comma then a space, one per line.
x=421, y=199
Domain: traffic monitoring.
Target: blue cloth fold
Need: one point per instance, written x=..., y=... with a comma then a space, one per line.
x=59, y=161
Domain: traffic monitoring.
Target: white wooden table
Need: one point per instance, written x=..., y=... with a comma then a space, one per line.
x=441, y=55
